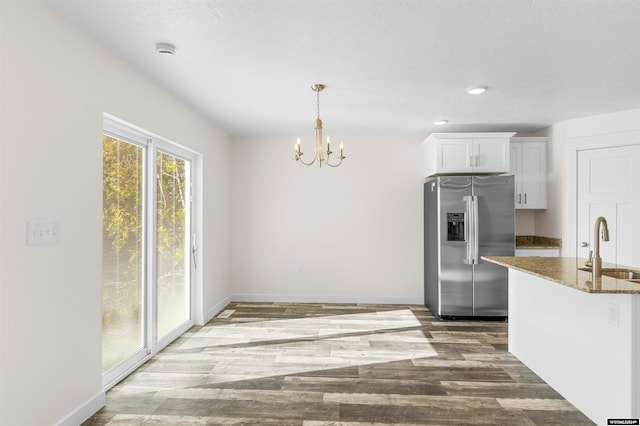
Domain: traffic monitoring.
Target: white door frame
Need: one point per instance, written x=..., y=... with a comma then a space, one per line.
x=154, y=143
x=570, y=219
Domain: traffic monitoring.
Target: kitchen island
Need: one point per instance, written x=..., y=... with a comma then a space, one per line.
x=580, y=335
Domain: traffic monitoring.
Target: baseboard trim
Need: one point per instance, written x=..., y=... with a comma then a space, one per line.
x=215, y=310
x=326, y=299
x=86, y=410
x=289, y=298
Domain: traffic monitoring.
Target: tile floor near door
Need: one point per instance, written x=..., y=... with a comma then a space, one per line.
x=338, y=364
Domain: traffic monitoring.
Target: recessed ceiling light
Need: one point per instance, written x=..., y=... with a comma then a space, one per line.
x=165, y=49
x=440, y=122
x=477, y=90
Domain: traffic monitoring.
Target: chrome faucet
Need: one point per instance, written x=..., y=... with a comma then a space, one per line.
x=596, y=259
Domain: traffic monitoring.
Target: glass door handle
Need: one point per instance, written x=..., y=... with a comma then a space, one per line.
x=194, y=251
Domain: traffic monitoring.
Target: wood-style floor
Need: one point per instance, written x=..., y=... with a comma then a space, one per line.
x=336, y=364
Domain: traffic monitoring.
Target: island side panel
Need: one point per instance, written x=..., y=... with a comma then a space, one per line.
x=567, y=338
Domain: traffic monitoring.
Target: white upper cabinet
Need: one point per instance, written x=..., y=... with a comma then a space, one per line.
x=529, y=165
x=466, y=153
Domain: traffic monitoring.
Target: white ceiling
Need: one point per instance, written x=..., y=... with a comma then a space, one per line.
x=390, y=66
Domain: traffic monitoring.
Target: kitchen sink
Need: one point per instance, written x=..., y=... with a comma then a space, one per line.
x=620, y=273
x=625, y=274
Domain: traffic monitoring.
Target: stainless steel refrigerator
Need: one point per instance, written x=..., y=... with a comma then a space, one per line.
x=465, y=218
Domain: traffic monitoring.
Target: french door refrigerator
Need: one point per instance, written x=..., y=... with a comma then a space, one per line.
x=467, y=217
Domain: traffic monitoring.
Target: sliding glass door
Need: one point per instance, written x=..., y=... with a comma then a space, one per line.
x=172, y=243
x=147, y=228
x=123, y=264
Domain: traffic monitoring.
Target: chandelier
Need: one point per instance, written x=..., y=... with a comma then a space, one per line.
x=320, y=156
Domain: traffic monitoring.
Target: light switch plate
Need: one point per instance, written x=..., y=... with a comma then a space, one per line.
x=42, y=233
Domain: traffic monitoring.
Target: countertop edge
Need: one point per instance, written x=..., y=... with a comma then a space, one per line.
x=563, y=271
x=528, y=271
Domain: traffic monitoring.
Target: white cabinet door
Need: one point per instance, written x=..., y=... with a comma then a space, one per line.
x=514, y=168
x=455, y=155
x=534, y=175
x=491, y=155
x=530, y=169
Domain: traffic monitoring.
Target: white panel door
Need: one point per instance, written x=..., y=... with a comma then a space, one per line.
x=609, y=185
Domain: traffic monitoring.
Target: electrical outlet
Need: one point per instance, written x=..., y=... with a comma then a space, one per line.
x=614, y=314
x=42, y=233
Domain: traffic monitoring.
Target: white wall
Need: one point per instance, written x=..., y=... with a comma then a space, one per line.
x=555, y=221
x=353, y=233
x=55, y=85
x=525, y=222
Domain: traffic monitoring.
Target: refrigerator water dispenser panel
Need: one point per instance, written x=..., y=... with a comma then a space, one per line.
x=455, y=227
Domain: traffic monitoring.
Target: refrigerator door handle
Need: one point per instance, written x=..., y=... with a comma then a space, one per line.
x=469, y=230
x=476, y=229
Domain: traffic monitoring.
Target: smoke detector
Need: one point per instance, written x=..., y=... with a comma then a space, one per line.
x=165, y=49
